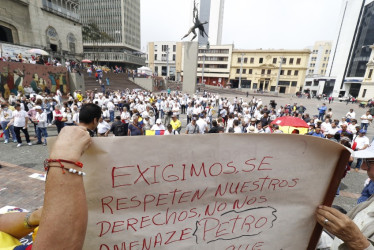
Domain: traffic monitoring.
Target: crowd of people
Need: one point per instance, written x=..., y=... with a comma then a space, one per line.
x=137, y=113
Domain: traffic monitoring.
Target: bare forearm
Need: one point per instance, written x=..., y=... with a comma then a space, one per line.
x=64, y=207
x=13, y=224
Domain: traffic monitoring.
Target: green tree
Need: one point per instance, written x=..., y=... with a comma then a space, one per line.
x=92, y=33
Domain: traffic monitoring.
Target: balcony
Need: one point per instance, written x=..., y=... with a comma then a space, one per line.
x=61, y=11
x=114, y=57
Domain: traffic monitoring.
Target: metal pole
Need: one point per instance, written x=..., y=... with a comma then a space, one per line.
x=167, y=61
x=241, y=70
x=280, y=69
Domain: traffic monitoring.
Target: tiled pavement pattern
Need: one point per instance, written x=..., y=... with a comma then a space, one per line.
x=18, y=189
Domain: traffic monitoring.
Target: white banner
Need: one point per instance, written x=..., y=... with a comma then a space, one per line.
x=223, y=191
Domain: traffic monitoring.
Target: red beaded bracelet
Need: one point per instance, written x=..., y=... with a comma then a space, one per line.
x=60, y=161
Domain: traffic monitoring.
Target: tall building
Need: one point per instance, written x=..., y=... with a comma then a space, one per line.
x=51, y=25
x=319, y=58
x=281, y=71
x=120, y=19
x=351, y=52
x=213, y=12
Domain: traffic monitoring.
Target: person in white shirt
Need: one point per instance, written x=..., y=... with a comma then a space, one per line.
x=20, y=120
x=170, y=131
x=41, y=127
x=158, y=125
x=103, y=128
x=202, y=124
x=365, y=120
x=125, y=116
x=362, y=143
x=5, y=117
x=351, y=115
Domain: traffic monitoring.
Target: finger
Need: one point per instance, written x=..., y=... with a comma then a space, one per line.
x=326, y=214
x=334, y=211
x=328, y=225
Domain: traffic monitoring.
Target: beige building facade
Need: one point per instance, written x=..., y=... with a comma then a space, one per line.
x=165, y=59
x=281, y=71
x=367, y=85
x=50, y=25
x=319, y=59
x=214, y=64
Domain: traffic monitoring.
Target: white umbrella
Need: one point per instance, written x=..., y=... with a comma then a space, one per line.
x=39, y=52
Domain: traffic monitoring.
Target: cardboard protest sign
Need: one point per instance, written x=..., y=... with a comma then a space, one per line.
x=225, y=191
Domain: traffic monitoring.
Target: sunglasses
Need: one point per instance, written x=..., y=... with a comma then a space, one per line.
x=369, y=163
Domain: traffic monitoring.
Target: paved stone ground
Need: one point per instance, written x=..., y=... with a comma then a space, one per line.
x=17, y=164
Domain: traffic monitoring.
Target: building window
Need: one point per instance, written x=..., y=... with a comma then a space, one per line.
x=327, y=51
x=250, y=71
x=282, y=72
x=323, y=65
x=262, y=72
x=370, y=73
x=245, y=60
x=363, y=94
x=174, y=48
x=284, y=60
x=173, y=57
x=289, y=72
x=237, y=71
x=252, y=60
x=308, y=84
x=284, y=83
x=296, y=73
x=239, y=59
x=261, y=60
x=274, y=60
x=298, y=61
x=291, y=60
x=155, y=57
x=269, y=71
x=156, y=48
x=325, y=58
x=244, y=71
x=164, y=48
x=293, y=84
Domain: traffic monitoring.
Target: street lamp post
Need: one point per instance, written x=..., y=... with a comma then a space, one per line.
x=202, y=72
x=167, y=61
x=241, y=70
x=280, y=69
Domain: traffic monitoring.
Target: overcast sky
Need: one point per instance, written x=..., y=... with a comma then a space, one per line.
x=249, y=24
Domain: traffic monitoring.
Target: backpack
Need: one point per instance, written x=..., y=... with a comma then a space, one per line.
x=120, y=129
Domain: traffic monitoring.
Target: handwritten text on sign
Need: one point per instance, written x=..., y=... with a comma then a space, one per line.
x=185, y=194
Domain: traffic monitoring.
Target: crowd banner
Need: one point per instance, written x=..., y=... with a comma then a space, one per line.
x=222, y=191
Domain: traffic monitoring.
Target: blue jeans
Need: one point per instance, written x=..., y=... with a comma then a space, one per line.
x=111, y=115
x=359, y=162
x=364, y=126
x=6, y=132
x=320, y=116
x=41, y=132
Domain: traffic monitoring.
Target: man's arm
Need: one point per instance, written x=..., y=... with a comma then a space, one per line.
x=64, y=200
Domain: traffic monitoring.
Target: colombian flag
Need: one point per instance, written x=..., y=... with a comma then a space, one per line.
x=154, y=132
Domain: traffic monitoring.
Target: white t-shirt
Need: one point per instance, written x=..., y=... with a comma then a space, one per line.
x=19, y=118
x=202, y=125
x=361, y=142
x=367, y=118
x=103, y=127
